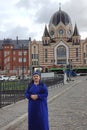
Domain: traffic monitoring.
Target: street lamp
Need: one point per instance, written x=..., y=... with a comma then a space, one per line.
x=22, y=61
x=31, y=70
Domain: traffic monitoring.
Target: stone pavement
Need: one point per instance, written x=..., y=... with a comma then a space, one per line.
x=14, y=117
x=69, y=111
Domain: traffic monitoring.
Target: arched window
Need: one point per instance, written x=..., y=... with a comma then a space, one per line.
x=61, y=51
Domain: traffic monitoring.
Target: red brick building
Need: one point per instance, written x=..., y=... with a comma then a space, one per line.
x=14, y=56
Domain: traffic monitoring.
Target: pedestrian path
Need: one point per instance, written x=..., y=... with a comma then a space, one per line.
x=68, y=110
x=14, y=114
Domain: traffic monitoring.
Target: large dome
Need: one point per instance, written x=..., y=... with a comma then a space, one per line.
x=60, y=16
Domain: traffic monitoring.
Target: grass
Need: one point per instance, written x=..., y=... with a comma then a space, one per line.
x=13, y=85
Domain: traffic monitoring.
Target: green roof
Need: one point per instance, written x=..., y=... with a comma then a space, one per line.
x=80, y=68
x=56, y=69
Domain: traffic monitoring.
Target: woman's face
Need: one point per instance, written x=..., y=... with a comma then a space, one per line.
x=36, y=78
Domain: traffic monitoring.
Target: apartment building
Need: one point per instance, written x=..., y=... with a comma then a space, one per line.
x=14, y=57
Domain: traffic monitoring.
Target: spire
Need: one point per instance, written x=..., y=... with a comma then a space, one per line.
x=46, y=33
x=75, y=33
x=17, y=39
x=59, y=6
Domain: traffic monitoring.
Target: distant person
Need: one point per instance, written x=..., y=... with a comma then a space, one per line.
x=37, y=94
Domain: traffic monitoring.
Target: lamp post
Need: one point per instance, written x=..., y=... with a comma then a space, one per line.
x=22, y=62
x=31, y=70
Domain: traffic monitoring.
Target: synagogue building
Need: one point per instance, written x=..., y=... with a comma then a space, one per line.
x=61, y=45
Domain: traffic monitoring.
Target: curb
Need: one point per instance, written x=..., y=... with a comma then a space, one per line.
x=14, y=123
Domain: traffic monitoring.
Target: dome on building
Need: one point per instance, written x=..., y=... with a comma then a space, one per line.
x=60, y=16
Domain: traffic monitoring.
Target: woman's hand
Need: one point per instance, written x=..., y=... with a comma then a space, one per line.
x=34, y=97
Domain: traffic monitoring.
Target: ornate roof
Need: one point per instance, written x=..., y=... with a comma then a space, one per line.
x=46, y=33
x=75, y=33
x=60, y=16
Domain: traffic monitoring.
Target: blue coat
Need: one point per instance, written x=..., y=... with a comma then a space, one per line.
x=37, y=109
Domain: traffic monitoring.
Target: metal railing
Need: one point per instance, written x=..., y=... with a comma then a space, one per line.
x=58, y=79
x=13, y=91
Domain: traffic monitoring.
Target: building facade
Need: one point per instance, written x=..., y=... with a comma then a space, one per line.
x=61, y=45
x=14, y=57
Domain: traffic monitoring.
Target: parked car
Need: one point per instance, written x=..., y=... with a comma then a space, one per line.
x=13, y=78
x=25, y=77
x=4, y=78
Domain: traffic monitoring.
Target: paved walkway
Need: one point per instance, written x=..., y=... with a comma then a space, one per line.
x=69, y=111
x=14, y=117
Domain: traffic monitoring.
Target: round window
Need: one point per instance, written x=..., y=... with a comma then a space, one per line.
x=52, y=33
x=60, y=31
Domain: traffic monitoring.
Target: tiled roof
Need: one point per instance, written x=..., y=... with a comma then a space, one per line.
x=17, y=43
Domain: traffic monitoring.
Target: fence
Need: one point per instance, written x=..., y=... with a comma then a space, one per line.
x=13, y=91
x=58, y=79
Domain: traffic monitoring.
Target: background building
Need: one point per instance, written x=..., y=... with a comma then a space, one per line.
x=61, y=46
x=14, y=57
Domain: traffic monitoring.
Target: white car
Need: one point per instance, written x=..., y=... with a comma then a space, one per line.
x=13, y=78
x=4, y=78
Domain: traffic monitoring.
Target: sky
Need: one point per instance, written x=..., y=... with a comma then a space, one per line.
x=27, y=18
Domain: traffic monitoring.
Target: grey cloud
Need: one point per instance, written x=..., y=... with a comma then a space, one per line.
x=77, y=12
x=19, y=31
x=75, y=9
x=23, y=4
x=31, y=4
x=22, y=32
x=43, y=10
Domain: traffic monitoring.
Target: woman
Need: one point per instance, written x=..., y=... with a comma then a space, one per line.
x=36, y=94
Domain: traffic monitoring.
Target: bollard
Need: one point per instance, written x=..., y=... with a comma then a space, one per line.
x=65, y=78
